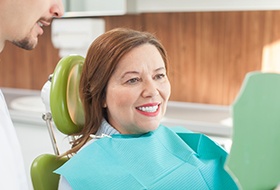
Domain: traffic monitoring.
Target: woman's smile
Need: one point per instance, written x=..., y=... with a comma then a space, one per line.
x=149, y=109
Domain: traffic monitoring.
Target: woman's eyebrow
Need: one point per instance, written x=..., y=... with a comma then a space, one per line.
x=136, y=72
x=129, y=72
x=160, y=68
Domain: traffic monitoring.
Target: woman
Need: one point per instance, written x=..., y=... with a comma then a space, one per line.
x=124, y=89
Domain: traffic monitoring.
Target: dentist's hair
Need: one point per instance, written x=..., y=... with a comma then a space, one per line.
x=101, y=60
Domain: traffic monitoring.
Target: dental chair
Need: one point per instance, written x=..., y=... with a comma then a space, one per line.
x=65, y=113
x=254, y=159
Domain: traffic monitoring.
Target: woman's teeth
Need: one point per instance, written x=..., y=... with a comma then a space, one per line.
x=149, y=108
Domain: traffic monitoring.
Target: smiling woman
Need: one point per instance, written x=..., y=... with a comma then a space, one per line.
x=124, y=89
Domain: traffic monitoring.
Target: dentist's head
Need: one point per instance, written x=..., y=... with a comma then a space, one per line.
x=22, y=21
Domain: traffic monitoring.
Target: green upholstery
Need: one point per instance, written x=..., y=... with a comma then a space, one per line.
x=254, y=159
x=42, y=169
x=65, y=103
x=67, y=114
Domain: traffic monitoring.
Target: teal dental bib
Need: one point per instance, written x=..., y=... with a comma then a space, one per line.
x=161, y=159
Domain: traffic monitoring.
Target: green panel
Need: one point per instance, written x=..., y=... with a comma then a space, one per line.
x=254, y=159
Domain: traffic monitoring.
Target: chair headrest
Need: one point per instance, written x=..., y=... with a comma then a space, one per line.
x=65, y=103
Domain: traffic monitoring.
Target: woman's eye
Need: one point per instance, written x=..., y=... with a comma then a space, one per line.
x=159, y=76
x=132, y=81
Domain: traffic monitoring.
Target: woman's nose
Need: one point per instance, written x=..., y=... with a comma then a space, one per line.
x=150, y=89
x=57, y=10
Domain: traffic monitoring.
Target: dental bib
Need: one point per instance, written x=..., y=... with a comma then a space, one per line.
x=161, y=159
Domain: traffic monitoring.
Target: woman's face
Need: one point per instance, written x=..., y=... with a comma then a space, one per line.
x=138, y=91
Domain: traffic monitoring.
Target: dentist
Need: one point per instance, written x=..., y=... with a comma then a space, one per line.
x=22, y=22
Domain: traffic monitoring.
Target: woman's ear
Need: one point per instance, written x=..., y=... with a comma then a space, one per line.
x=104, y=105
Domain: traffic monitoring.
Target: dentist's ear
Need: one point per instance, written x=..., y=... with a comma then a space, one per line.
x=104, y=105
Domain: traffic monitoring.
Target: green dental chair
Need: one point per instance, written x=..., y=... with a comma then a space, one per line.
x=67, y=115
